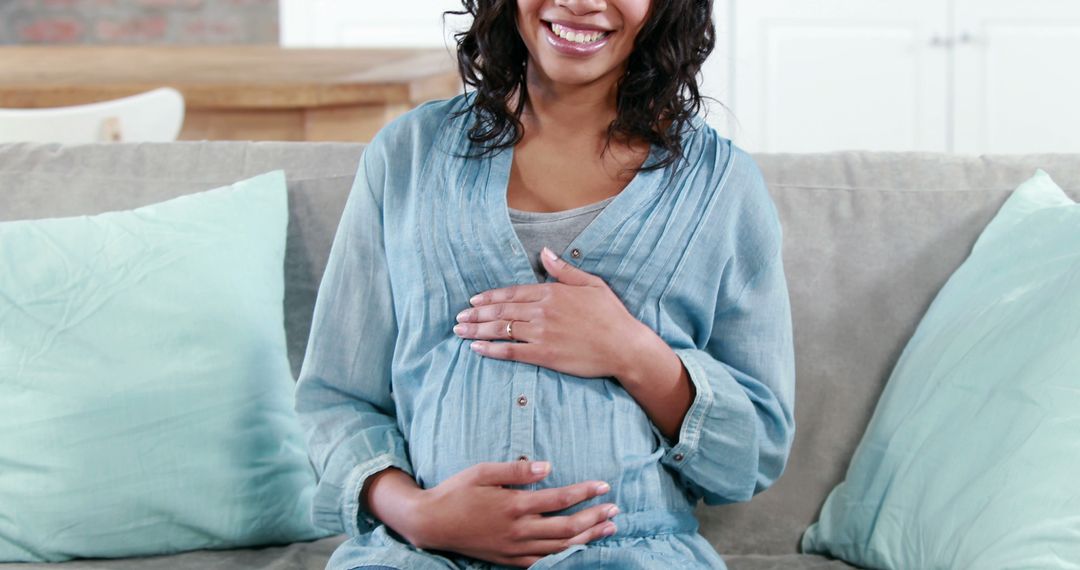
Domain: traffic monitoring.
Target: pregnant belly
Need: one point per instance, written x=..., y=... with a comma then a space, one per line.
x=614, y=444
x=589, y=429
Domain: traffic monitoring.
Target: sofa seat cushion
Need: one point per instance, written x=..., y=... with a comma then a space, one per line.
x=784, y=562
x=313, y=556
x=295, y=556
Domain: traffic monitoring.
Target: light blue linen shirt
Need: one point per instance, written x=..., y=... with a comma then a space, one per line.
x=386, y=382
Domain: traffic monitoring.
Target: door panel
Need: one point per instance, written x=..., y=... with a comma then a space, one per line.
x=832, y=75
x=1017, y=86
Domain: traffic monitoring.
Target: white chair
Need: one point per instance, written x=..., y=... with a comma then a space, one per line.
x=153, y=116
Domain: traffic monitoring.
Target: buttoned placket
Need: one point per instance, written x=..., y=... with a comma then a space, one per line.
x=523, y=384
x=522, y=414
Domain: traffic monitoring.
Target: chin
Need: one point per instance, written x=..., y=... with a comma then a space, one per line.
x=571, y=73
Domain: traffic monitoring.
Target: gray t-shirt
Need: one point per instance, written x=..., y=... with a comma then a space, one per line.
x=552, y=229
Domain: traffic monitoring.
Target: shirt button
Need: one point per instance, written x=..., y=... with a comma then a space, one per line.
x=575, y=253
x=522, y=400
x=678, y=457
x=523, y=458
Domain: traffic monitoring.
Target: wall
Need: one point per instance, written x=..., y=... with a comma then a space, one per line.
x=138, y=21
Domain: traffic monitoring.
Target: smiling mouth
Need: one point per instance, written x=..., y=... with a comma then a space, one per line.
x=577, y=37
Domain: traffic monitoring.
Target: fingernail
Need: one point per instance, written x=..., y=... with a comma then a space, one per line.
x=458, y=328
x=610, y=530
x=474, y=299
x=539, y=467
x=614, y=510
x=603, y=488
x=549, y=254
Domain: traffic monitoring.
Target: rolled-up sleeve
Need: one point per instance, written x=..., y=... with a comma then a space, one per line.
x=736, y=436
x=343, y=394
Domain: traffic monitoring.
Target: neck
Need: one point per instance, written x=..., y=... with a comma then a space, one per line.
x=561, y=110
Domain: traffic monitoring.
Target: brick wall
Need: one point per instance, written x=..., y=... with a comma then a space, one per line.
x=138, y=21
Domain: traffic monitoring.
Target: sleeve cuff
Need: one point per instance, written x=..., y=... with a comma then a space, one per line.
x=712, y=457
x=358, y=521
x=682, y=453
x=336, y=505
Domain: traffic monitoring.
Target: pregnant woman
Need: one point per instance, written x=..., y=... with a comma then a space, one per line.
x=554, y=316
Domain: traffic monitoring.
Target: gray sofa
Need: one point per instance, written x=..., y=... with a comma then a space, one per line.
x=870, y=237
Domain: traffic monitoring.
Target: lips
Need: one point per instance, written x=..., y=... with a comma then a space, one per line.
x=573, y=49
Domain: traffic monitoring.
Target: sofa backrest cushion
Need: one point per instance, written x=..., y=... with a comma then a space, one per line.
x=869, y=239
x=51, y=180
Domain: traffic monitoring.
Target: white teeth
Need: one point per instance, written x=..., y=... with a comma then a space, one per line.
x=574, y=36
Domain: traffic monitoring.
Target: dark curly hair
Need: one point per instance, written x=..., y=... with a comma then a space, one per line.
x=661, y=80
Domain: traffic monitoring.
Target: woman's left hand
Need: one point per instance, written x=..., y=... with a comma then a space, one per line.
x=577, y=326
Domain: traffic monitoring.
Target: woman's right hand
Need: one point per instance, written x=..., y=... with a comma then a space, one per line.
x=472, y=514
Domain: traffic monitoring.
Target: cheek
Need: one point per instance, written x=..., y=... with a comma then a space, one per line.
x=527, y=18
x=528, y=9
x=634, y=12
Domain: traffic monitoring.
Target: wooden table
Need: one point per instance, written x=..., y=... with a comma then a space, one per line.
x=249, y=92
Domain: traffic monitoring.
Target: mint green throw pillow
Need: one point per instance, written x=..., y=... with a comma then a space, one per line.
x=145, y=391
x=972, y=457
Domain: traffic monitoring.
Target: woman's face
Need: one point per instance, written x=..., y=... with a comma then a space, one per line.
x=551, y=30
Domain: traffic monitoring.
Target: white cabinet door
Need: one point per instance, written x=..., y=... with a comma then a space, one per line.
x=1017, y=76
x=840, y=75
